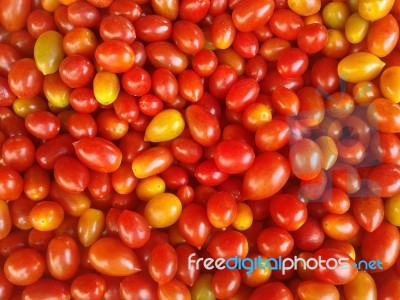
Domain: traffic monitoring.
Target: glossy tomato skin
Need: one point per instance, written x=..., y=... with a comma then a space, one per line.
x=163, y=263
x=26, y=262
x=271, y=180
x=14, y=14
x=123, y=263
x=107, y=160
x=233, y=156
x=292, y=63
x=133, y=229
x=388, y=236
x=226, y=244
x=46, y=288
x=88, y=285
x=250, y=15
x=338, y=275
x=138, y=285
x=288, y=212
x=194, y=225
x=11, y=184
x=62, y=257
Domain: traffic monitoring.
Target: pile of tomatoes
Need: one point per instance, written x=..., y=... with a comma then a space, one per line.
x=139, y=135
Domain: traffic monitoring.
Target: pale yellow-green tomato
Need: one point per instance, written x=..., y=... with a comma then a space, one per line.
x=373, y=10
x=356, y=28
x=56, y=91
x=361, y=287
x=244, y=217
x=90, y=226
x=360, y=66
x=48, y=52
x=149, y=187
x=163, y=210
x=165, y=126
x=392, y=210
x=335, y=15
x=106, y=87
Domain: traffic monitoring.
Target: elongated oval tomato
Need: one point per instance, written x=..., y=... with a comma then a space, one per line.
x=383, y=244
x=384, y=115
x=163, y=210
x=165, y=126
x=267, y=175
x=252, y=14
x=388, y=83
x=122, y=262
x=151, y=162
x=115, y=56
x=133, y=229
x=14, y=14
x=372, y=10
x=383, y=36
x=233, y=156
x=98, y=154
x=203, y=126
x=49, y=52
x=63, y=258
x=345, y=271
x=166, y=55
x=241, y=94
x=360, y=66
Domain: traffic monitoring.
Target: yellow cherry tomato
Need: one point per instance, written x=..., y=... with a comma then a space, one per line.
x=360, y=66
x=163, y=210
x=106, y=87
x=372, y=10
x=335, y=15
x=356, y=28
x=149, y=187
x=392, y=210
x=90, y=226
x=390, y=83
x=361, y=287
x=244, y=217
x=48, y=52
x=304, y=7
x=165, y=126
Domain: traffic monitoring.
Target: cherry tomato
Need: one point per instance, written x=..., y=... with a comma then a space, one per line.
x=62, y=257
x=123, y=262
x=163, y=263
x=288, y=212
x=382, y=244
x=271, y=179
x=24, y=266
x=133, y=229
x=107, y=160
